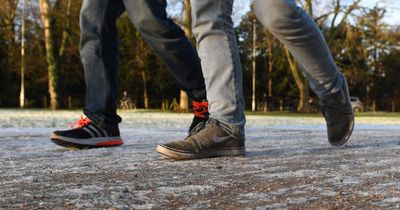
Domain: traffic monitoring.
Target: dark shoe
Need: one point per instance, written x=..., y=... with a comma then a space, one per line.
x=211, y=141
x=200, y=109
x=339, y=116
x=87, y=135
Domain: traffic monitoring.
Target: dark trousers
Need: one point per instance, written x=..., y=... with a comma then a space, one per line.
x=99, y=52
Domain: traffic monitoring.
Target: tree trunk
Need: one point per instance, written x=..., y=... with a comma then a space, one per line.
x=22, y=90
x=270, y=45
x=145, y=96
x=50, y=53
x=184, y=102
x=10, y=7
x=253, y=84
x=270, y=67
x=188, y=20
x=141, y=57
x=65, y=33
x=184, y=99
x=301, y=83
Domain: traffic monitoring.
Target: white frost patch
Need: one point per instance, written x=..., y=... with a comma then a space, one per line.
x=256, y=195
x=281, y=191
x=142, y=193
x=87, y=189
x=297, y=200
x=388, y=185
x=290, y=174
x=138, y=206
x=280, y=148
x=372, y=174
x=275, y=206
x=220, y=183
x=388, y=202
x=373, y=164
x=351, y=180
x=187, y=188
x=15, y=118
x=392, y=200
x=325, y=192
x=363, y=193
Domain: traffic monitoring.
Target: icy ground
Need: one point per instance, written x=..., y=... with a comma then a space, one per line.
x=289, y=164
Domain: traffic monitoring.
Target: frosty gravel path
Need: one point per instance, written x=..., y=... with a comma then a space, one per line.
x=289, y=164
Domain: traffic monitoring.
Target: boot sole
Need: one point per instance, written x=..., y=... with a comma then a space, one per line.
x=346, y=137
x=87, y=143
x=180, y=155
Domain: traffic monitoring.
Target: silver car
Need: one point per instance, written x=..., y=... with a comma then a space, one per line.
x=356, y=104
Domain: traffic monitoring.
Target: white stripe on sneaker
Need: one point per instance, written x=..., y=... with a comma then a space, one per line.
x=95, y=129
x=104, y=131
x=89, y=132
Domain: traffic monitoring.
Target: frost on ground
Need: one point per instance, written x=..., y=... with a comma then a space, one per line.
x=289, y=164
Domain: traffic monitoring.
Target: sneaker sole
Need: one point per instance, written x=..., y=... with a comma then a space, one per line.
x=86, y=143
x=346, y=137
x=179, y=155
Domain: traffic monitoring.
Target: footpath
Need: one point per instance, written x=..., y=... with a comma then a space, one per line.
x=289, y=165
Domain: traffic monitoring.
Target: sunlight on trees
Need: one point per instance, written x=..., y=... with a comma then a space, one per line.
x=364, y=46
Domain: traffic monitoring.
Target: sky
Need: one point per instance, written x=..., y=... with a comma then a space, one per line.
x=393, y=9
x=241, y=7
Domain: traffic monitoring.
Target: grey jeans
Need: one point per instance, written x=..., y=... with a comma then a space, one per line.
x=217, y=48
x=296, y=29
x=99, y=52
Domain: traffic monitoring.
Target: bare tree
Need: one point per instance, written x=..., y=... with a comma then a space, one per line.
x=142, y=53
x=184, y=100
x=8, y=14
x=22, y=89
x=53, y=54
x=301, y=83
x=338, y=16
x=51, y=57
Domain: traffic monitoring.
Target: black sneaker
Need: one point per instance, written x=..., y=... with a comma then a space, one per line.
x=87, y=135
x=209, y=141
x=200, y=109
x=339, y=116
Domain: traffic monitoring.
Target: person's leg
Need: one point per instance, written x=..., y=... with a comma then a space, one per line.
x=99, y=54
x=216, y=43
x=170, y=43
x=223, y=134
x=296, y=29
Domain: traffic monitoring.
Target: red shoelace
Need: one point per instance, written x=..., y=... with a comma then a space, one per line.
x=200, y=109
x=80, y=123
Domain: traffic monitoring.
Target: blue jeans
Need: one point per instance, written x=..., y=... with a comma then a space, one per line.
x=217, y=48
x=99, y=52
x=298, y=31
